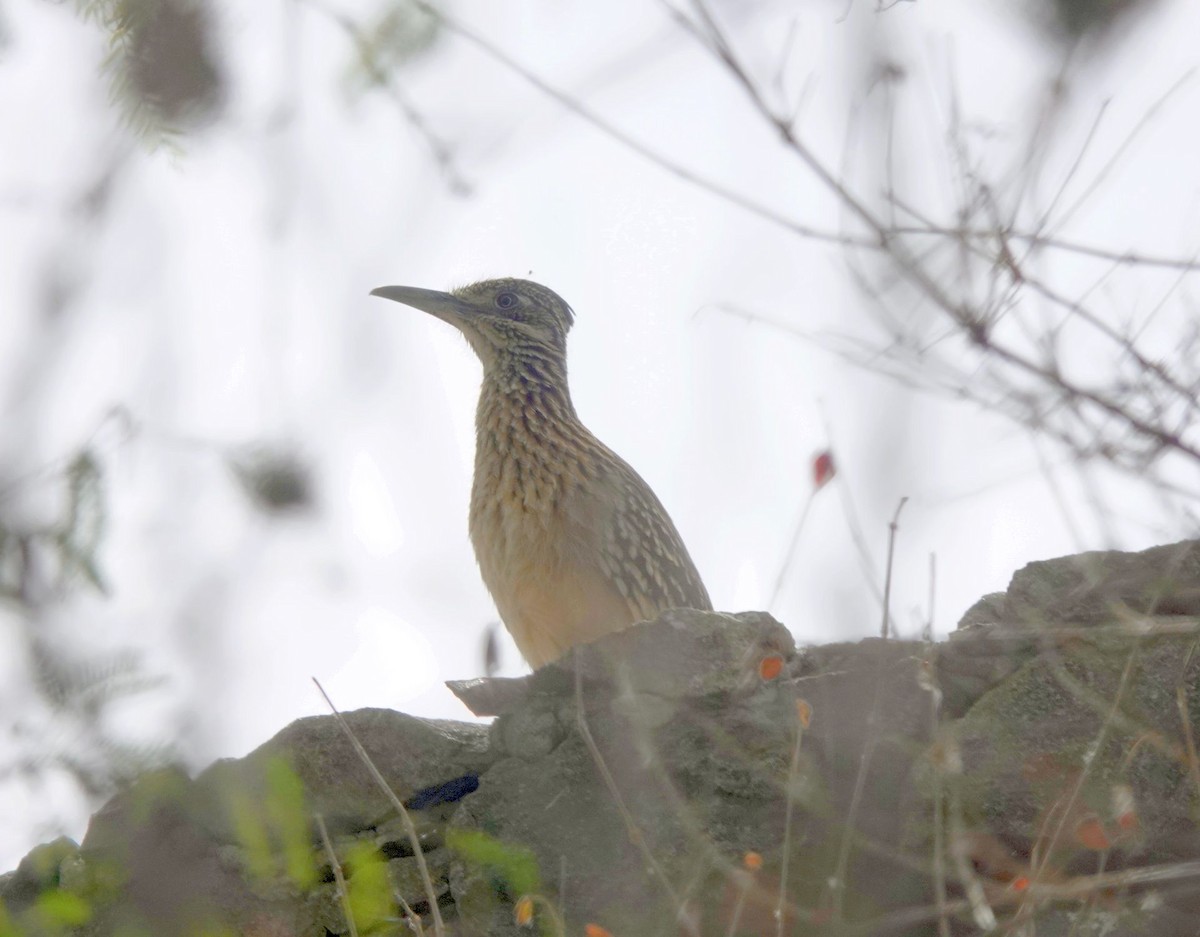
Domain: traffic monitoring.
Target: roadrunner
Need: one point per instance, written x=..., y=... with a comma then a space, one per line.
x=572, y=544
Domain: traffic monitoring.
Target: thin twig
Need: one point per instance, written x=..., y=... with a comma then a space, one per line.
x=838, y=879
x=786, y=566
x=930, y=618
x=439, y=928
x=631, y=827
x=442, y=154
x=1189, y=738
x=1076, y=164
x=338, y=878
x=793, y=778
x=939, y=832
x=636, y=146
x=1072, y=890
x=976, y=898
x=887, y=581
x=735, y=919
x=1049, y=242
x=411, y=917
x=972, y=327
x=1097, y=747
x=1147, y=116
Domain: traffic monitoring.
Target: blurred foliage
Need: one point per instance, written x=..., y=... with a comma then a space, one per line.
x=39, y=568
x=82, y=529
x=289, y=819
x=276, y=481
x=368, y=888
x=78, y=694
x=404, y=30
x=400, y=33
x=161, y=64
x=69, y=544
x=64, y=909
x=514, y=867
x=1071, y=20
x=275, y=841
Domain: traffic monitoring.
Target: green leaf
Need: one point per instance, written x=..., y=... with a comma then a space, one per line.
x=515, y=864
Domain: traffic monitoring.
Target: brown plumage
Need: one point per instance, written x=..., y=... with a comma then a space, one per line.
x=571, y=542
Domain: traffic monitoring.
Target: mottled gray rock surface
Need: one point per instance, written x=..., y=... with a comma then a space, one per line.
x=1038, y=767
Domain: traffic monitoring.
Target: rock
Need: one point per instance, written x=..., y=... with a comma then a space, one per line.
x=647, y=783
x=490, y=696
x=1064, y=599
x=694, y=739
x=237, y=847
x=37, y=873
x=682, y=654
x=1090, y=737
x=1106, y=587
x=410, y=753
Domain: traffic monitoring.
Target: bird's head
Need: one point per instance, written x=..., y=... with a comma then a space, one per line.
x=504, y=320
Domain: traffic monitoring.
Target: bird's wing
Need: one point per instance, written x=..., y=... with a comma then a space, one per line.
x=636, y=545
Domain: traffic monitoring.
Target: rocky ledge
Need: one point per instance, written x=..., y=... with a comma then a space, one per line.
x=700, y=775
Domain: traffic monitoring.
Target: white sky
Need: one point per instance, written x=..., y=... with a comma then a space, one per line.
x=223, y=303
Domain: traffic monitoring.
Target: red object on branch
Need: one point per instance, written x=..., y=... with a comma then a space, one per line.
x=823, y=469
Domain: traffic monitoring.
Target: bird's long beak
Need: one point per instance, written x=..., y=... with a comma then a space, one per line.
x=445, y=306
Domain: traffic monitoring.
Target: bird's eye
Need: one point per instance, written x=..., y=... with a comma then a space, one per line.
x=506, y=300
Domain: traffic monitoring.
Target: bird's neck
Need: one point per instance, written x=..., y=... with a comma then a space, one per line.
x=525, y=396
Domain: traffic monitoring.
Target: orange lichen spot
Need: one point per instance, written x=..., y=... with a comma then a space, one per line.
x=1090, y=833
x=523, y=911
x=770, y=667
x=1020, y=883
x=595, y=930
x=936, y=753
x=823, y=469
x=752, y=861
x=803, y=712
